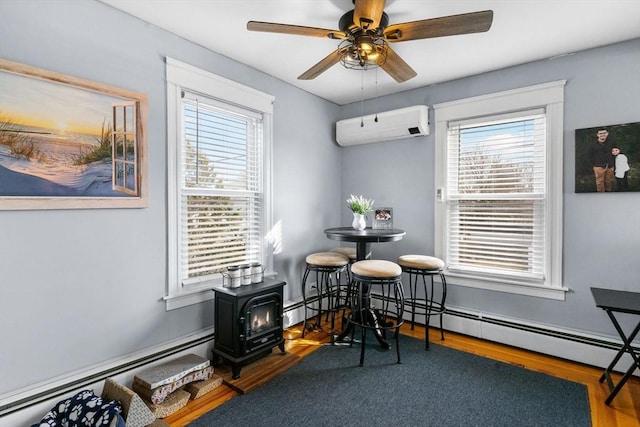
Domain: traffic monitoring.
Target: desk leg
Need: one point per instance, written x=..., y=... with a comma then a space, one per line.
x=626, y=348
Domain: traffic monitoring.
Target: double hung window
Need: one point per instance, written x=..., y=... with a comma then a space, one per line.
x=499, y=190
x=219, y=182
x=220, y=212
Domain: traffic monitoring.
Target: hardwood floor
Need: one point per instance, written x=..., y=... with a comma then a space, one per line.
x=624, y=411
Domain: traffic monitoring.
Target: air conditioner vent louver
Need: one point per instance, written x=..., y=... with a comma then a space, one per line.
x=390, y=125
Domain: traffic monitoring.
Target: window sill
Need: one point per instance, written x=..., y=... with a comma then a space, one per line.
x=494, y=284
x=182, y=300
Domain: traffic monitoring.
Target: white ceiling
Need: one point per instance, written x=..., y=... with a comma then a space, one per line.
x=522, y=31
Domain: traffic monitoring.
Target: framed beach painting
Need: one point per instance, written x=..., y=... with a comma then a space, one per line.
x=69, y=143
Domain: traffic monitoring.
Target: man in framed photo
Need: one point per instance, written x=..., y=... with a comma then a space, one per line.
x=602, y=161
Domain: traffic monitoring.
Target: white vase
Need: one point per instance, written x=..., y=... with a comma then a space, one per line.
x=359, y=221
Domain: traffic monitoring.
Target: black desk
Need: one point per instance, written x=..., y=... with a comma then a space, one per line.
x=612, y=301
x=362, y=238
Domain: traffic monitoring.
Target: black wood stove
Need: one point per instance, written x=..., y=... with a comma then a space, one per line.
x=248, y=323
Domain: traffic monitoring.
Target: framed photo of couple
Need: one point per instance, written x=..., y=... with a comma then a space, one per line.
x=608, y=158
x=382, y=218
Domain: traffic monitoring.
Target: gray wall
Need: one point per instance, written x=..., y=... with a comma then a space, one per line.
x=80, y=287
x=601, y=232
x=70, y=298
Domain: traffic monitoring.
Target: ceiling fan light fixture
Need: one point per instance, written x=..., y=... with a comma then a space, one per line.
x=362, y=52
x=365, y=45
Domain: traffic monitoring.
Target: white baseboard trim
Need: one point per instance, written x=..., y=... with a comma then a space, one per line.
x=293, y=313
x=28, y=405
x=574, y=345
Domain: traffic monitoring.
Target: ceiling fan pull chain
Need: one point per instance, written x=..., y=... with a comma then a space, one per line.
x=362, y=98
x=376, y=118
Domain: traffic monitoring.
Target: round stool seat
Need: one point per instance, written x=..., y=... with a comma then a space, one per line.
x=421, y=262
x=327, y=259
x=348, y=252
x=379, y=269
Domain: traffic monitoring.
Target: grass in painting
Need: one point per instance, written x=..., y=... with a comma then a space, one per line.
x=19, y=143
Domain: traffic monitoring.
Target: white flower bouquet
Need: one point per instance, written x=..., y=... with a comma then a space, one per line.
x=359, y=204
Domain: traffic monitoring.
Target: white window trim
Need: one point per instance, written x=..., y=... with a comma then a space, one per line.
x=184, y=76
x=549, y=96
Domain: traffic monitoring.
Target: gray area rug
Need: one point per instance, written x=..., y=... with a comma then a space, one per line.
x=440, y=387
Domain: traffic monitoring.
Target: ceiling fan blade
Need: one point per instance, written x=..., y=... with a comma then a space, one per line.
x=330, y=60
x=367, y=13
x=271, y=27
x=465, y=23
x=396, y=67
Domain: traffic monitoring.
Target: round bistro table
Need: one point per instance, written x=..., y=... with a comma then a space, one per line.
x=363, y=238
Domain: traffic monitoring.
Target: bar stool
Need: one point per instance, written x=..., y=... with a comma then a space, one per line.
x=380, y=279
x=327, y=267
x=417, y=266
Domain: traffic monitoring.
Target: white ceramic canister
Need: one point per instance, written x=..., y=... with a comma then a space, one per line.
x=233, y=271
x=256, y=272
x=245, y=274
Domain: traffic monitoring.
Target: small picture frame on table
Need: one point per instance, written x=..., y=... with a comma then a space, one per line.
x=383, y=218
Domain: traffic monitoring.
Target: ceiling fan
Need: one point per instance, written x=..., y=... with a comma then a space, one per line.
x=365, y=35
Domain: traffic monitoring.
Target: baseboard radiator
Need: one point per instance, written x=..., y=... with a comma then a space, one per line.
x=535, y=329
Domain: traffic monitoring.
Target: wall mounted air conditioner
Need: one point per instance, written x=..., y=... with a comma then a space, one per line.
x=395, y=124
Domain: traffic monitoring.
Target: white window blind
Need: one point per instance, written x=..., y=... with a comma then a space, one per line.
x=221, y=194
x=497, y=195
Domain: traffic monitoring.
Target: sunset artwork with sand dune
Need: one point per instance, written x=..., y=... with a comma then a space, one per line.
x=67, y=142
